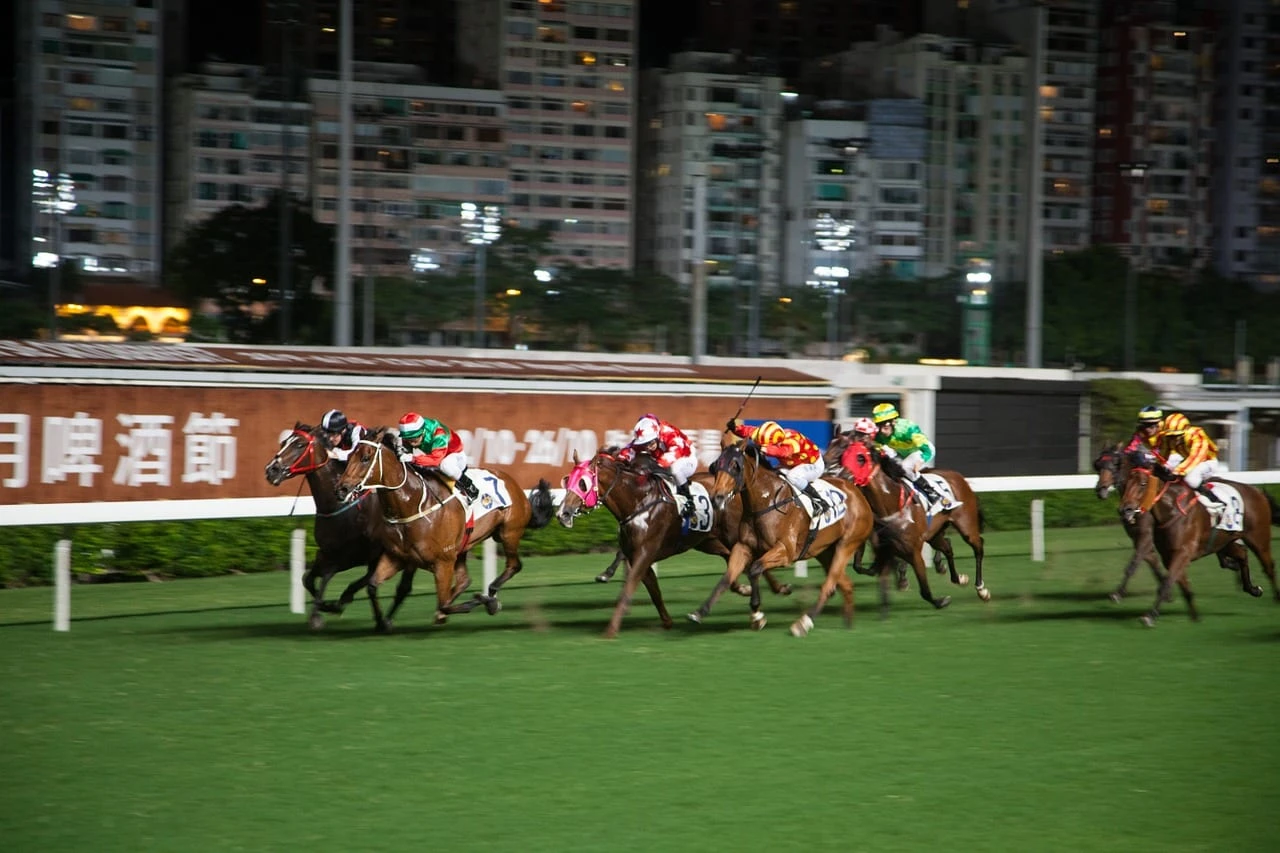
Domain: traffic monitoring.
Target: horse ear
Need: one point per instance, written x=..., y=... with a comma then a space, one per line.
x=576, y=460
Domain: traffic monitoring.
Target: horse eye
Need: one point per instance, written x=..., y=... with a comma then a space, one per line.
x=582, y=484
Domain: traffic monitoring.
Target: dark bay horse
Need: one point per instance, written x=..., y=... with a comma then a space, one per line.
x=420, y=521
x=650, y=528
x=897, y=510
x=775, y=531
x=1184, y=531
x=894, y=504
x=339, y=527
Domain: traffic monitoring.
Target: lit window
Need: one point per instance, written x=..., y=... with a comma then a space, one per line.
x=616, y=86
x=717, y=121
x=82, y=22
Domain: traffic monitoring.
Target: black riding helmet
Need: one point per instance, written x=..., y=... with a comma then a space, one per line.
x=333, y=421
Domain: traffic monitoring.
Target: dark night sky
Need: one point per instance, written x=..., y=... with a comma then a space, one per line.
x=232, y=29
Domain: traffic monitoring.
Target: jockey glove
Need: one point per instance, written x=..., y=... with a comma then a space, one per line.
x=1164, y=473
x=733, y=424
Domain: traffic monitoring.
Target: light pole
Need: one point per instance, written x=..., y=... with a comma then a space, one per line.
x=482, y=226
x=1135, y=173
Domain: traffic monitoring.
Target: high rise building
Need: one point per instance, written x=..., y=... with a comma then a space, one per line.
x=91, y=75
x=1155, y=111
x=567, y=74
x=415, y=32
x=418, y=153
x=973, y=93
x=227, y=143
x=711, y=129
x=1246, y=171
x=791, y=32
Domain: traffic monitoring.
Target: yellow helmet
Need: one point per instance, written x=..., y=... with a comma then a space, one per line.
x=884, y=412
x=769, y=432
x=1175, y=424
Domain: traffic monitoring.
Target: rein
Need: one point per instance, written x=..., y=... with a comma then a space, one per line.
x=365, y=486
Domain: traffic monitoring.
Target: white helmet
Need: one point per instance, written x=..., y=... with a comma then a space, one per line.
x=645, y=430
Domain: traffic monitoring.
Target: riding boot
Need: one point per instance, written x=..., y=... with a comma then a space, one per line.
x=926, y=488
x=468, y=488
x=1208, y=493
x=686, y=511
x=820, y=506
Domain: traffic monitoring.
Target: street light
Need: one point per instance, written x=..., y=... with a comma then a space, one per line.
x=1136, y=173
x=482, y=226
x=56, y=197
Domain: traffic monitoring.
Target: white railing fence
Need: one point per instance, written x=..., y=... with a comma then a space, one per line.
x=302, y=506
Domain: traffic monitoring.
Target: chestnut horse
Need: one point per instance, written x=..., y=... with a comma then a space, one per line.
x=339, y=527
x=650, y=528
x=420, y=521
x=895, y=507
x=892, y=497
x=776, y=530
x=1184, y=531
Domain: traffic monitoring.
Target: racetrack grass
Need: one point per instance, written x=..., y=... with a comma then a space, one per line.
x=201, y=715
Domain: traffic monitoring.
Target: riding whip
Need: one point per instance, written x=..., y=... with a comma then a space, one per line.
x=747, y=398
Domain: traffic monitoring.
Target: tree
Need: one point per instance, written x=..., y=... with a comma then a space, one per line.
x=220, y=258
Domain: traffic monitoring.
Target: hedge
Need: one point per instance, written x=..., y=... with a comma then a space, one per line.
x=159, y=550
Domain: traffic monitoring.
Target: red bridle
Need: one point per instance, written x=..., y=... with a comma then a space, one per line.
x=306, y=461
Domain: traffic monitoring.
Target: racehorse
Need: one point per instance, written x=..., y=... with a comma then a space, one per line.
x=894, y=506
x=776, y=530
x=650, y=527
x=1184, y=531
x=421, y=521
x=339, y=527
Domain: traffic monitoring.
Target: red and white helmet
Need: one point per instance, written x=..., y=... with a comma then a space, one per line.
x=645, y=430
x=865, y=426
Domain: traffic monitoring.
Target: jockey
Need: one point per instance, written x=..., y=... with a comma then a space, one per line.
x=342, y=434
x=431, y=444
x=864, y=429
x=1190, y=454
x=1148, y=428
x=667, y=446
x=799, y=459
x=901, y=439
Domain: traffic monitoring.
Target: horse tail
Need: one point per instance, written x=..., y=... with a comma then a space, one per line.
x=888, y=533
x=542, y=505
x=1275, y=508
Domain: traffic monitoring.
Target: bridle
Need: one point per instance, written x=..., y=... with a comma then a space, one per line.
x=308, y=460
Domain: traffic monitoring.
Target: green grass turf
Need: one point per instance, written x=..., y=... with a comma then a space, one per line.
x=201, y=715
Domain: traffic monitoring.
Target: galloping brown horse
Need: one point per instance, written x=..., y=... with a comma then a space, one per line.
x=893, y=503
x=420, y=521
x=650, y=528
x=1184, y=530
x=895, y=508
x=775, y=531
x=339, y=527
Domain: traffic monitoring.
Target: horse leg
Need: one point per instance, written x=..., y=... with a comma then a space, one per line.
x=607, y=574
x=833, y=562
x=385, y=569
x=771, y=559
x=1176, y=572
x=639, y=566
x=922, y=578
x=1144, y=549
x=349, y=594
x=775, y=586
x=1263, y=553
x=944, y=559
x=403, y=588
x=967, y=525
x=738, y=559
x=511, y=547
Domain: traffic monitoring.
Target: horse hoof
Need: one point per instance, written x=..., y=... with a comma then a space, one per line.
x=785, y=589
x=315, y=621
x=942, y=602
x=383, y=628
x=742, y=589
x=441, y=618
x=758, y=621
x=962, y=580
x=1146, y=619
x=491, y=605
x=1255, y=591
x=984, y=593
x=695, y=618
x=802, y=626
x=602, y=578
x=1115, y=596
x=903, y=584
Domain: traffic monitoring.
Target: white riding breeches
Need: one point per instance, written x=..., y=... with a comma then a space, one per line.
x=682, y=469
x=913, y=464
x=1206, y=469
x=804, y=474
x=454, y=465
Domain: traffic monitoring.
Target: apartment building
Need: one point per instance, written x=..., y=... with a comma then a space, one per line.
x=567, y=74
x=711, y=127
x=1155, y=108
x=418, y=153
x=973, y=91
x=856, y=169
x=91, y=73
x=234, y=133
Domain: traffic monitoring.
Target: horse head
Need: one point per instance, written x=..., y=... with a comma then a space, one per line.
x=581, y=489
x=730, y=470
x=302, y=451
x=1108, y=465
x=374, y=463
x=1141, y=488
